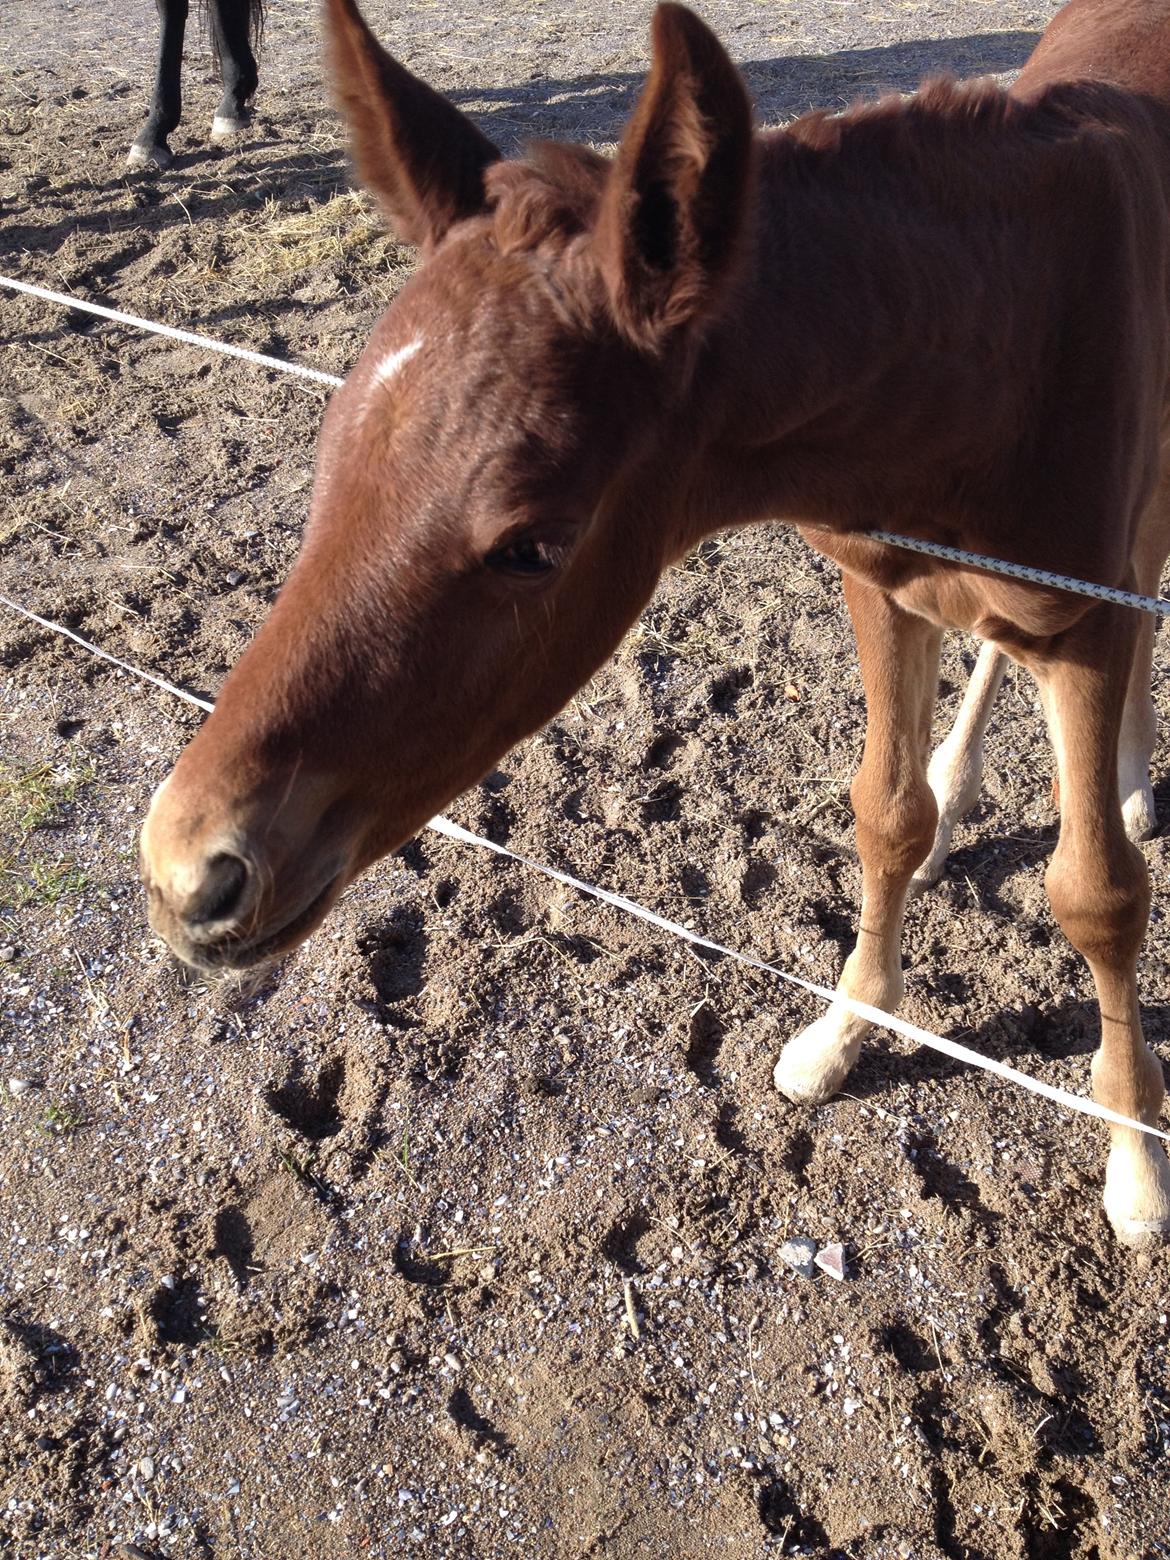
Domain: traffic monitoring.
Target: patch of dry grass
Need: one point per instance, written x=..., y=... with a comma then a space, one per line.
x=344, y=233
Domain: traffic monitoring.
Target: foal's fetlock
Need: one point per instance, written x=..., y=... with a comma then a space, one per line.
x=1139, y=813
x=928, y=874
x=815, y=1063
x=954, y=777
x=1137, y=1192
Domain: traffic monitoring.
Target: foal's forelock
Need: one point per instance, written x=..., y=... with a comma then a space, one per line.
x=546, y=199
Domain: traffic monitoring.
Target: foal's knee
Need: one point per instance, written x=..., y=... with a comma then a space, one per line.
x=1101, y=901
x=896, y=821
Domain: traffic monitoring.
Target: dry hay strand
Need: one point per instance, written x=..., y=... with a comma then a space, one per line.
x=344, y=234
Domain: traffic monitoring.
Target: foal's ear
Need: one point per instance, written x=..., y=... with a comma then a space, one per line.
x=422, y=158
x=676, y=203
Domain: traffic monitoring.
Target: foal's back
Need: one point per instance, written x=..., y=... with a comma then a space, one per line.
x=1124, y=42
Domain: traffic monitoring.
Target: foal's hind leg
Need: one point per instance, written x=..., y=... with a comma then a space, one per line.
x=1139, y=726
x=231, y=35
x=956, y=769
x=1099, y=889
x=896, y=818
x=1139, y=730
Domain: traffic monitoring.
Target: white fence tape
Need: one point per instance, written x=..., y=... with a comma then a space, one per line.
x=874, y=1015
x=66, y=300
x=1018, y=571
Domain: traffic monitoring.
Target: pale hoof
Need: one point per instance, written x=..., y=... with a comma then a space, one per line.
x=1142, y=1232
x=815, y=1063
x=1137, y=1195
x=1139, y=814
x=224, y=129
x=148, y=157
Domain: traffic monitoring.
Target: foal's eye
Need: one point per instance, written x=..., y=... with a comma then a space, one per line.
x=527, y=556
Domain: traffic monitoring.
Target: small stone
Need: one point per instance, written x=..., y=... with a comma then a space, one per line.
x=800, y=1254
x=146, y=1467
x=235, y=576
x=831, y=1260
x=19, y=1086
x=849, y=1407
x=7, y=953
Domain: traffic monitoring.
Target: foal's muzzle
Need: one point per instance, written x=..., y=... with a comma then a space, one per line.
x=230, y=896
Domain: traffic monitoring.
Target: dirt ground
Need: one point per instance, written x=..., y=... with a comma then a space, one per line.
x=344, y=1263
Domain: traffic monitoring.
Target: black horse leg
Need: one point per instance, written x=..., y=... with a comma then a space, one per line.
x=233, y=27
x=150, y=145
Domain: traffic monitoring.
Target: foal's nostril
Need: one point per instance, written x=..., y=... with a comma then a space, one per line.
x=221, y=890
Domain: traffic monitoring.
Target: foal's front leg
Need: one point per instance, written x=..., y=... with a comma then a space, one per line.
x=1100, y=894
x=896, y=816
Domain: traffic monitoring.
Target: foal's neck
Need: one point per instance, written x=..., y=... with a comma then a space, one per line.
x=894, y=277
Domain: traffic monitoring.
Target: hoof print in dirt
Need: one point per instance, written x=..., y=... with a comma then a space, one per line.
x=706, y=1036
x=661, y=752
x=177, y=1312
x=416, y=1267
x=311, y=1109
x=758, y=877
x=727, y=1134
x=395, y=952
x=780, y=1514
x=727, y=688
x=620, y=1244
x=662, y=803
x=471, y=1422
x=908, y=1347
x=234, y=1243
x=33, y=1360
x=796, y=1155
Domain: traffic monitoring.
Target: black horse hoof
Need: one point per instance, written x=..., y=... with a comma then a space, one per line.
x=225, y=128
x=148, y=156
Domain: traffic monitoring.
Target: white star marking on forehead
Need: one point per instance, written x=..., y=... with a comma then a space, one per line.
x=394, y=361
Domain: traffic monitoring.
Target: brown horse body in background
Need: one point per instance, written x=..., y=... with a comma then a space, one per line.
x=946, y=315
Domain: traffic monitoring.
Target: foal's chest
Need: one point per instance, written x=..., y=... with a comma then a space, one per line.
x=1018, y=617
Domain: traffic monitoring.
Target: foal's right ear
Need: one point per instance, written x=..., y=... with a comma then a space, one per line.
x=422, y=158
x=676, y=203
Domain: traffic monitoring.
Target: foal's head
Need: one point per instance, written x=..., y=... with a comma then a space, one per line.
x=493, y=494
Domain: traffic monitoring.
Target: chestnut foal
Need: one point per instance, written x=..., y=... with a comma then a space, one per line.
x=946, y=315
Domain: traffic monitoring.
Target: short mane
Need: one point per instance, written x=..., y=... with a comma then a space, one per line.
x=551, y=195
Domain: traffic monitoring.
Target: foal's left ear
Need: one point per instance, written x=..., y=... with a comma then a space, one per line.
x=676, y=202
x=422, y=158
